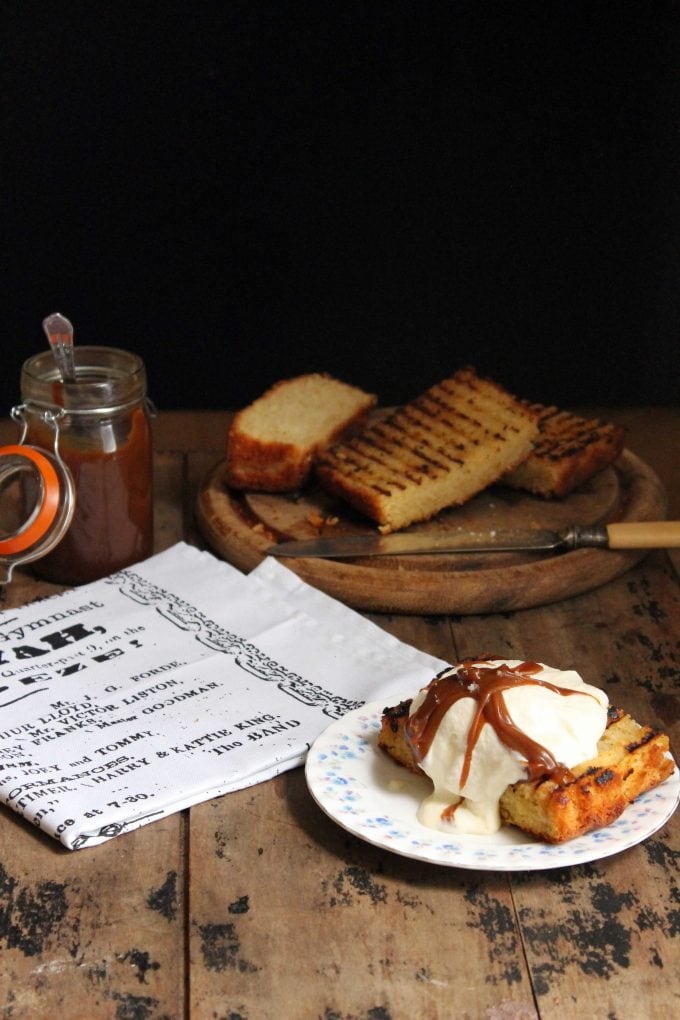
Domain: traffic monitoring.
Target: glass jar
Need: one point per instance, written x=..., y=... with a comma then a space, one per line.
x=103, y=436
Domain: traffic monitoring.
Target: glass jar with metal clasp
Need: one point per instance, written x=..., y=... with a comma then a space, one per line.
x=86, y=454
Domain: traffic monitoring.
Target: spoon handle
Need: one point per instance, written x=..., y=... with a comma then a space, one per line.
x=60, y=335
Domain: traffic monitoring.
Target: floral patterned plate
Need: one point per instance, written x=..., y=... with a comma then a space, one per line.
x=365, y=792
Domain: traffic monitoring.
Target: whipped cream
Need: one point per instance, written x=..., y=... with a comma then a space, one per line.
x=483, y=725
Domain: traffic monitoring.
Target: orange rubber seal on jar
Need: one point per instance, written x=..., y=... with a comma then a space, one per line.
x=49, y=506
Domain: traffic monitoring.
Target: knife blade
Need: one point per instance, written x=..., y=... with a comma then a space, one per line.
x=624, y=535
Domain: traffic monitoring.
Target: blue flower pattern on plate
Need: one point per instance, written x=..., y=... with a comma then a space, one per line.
x=346, y=777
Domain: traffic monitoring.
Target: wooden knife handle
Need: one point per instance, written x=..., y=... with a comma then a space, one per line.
x=644, y=535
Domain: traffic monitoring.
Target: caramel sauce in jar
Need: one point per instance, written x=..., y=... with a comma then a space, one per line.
x=104, y=438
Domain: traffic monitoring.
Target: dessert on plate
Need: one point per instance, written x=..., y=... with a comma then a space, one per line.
x=523, y=744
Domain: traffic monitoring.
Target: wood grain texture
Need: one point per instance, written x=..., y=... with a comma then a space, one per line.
x=256, y=905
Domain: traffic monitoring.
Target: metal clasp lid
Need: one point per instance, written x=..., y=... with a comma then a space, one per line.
x=37, y=497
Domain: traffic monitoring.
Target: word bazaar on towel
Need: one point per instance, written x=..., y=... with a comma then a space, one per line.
x=173, y=682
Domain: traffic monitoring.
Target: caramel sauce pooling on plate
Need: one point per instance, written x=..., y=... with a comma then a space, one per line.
x=485, y=685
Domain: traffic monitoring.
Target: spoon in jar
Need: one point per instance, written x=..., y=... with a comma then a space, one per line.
x=60, y=335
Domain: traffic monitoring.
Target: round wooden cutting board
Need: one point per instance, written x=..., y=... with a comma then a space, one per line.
x=241, y=527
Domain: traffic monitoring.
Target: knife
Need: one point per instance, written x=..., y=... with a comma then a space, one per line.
x=627, y=535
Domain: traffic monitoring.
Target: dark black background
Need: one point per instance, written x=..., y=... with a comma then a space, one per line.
x=242, y=191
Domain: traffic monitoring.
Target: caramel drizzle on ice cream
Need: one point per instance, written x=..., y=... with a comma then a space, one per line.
x=485, y=685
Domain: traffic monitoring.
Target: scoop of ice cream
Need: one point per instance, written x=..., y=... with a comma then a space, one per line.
x=481, y=726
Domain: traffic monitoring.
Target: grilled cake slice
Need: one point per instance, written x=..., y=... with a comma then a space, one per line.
x=569, y=450
x=272, y=442
x=631, y=759
x=438, y=450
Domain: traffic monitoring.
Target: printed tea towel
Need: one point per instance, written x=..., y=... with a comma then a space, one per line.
x=175, y=681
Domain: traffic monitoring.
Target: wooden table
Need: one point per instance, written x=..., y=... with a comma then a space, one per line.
x=256, y=905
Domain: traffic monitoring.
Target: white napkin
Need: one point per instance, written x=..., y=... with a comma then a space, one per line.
x=173, y=682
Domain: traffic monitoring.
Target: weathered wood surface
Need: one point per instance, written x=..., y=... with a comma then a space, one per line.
x=256, y=905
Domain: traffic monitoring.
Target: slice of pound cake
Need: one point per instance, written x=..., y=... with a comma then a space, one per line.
x=272, y=443
x=568, y=451
x=631, y=759
x=437, y=451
